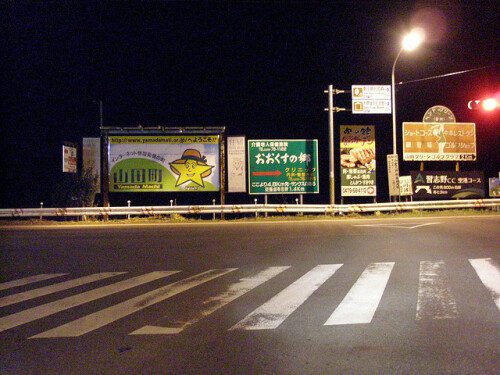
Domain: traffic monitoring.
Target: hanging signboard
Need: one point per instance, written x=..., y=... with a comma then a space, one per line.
x=69, y=158
x=91, y=157
x=283, y=166
x=447, y=184
x=439, y=141
x=236, y=161
x=187, y=163
x=357, y=160
x=371, y=99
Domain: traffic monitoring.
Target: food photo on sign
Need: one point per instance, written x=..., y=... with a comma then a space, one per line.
x=358, y=160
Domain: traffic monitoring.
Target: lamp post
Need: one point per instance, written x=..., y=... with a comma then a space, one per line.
x=410, y=42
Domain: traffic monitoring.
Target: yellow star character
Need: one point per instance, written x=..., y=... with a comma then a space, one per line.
x=191, y=167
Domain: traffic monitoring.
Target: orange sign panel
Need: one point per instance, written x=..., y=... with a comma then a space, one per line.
x=439, y=141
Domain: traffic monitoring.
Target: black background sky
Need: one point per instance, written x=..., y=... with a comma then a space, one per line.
x=258, y=68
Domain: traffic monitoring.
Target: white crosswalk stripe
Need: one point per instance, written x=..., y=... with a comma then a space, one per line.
x=38, y=312
x=39, y=292
x=29, y=280
x=212, y=304
x=434, y=299
x=489, y=275
x=362, y=300
x=103, y=317
x=271, y=314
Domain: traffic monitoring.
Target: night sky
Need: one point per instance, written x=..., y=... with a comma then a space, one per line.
x=258, y=68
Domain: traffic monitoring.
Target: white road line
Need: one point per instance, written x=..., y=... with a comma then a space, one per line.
x=271, y=314
x=489, y=275
x=39, y=292
x=361, y=302
x=401, y=226
x=38, y=312
x=212, y=304
x=435, y=300
x=103, y=317
x=29, y=280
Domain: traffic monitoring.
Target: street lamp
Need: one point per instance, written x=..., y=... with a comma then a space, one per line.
x=410, y=42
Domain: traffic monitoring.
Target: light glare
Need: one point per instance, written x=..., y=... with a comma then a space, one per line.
x=489, y=104
x=412, y=40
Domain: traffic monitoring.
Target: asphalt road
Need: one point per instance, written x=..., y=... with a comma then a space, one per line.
x=392, y=296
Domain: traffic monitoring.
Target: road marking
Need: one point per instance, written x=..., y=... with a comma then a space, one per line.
x=402, y=226
x=271, y=314
x=435, y=300
x=103, y=317
x=29, y=280
x=38, y=312
x=361, y=302
x=212, y=304
x=489, y=275
x=39, y=292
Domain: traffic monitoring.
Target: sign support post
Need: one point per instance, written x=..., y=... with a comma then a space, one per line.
x=331, y=109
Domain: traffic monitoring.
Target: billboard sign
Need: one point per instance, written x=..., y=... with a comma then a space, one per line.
x=177, y=163
x=236, y=162
x=371, y=98
x=357, y=161
x=69, y=158
x=447, y=184
x=443, y=141
x=283, y=166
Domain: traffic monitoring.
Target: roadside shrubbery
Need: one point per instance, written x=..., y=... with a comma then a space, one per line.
x=75, y=190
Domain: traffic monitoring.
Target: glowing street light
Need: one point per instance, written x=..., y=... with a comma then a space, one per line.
x=410, y=42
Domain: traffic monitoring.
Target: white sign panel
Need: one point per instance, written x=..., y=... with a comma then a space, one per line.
x=69, y=159
x=405, y=186
x=393, y=174
x=236, y=162
x=371, y=98
x=92, y=158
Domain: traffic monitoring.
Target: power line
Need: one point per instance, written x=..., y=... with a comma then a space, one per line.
x=446, y=75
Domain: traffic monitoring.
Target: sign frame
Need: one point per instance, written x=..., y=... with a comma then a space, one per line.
x=429, y=141
x=371, y=99
x=271, y=182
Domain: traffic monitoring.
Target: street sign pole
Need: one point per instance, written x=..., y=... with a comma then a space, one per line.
x=331, y=109
x=330, y=136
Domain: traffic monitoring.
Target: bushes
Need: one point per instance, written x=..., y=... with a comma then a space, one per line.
x=75, y=190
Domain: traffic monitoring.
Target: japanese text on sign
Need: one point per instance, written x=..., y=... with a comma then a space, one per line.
x=283, y=166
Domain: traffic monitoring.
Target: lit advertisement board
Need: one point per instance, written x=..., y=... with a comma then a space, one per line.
x=177, y=163
x=283, y=166
x=439, y=141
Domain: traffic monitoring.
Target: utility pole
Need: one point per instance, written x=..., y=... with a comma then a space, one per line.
x=331, y=109
x=100, y=113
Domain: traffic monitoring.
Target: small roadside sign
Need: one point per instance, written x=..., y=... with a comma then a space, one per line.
x=371, y=98
x=405, y=186
x=494, y=187
x=393, y=174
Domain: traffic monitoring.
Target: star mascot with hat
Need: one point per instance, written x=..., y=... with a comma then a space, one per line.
x=191, y=167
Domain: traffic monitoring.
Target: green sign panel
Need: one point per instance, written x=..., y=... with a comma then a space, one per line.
x=283, y=166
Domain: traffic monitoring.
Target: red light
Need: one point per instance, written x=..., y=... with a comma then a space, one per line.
x=489, y=104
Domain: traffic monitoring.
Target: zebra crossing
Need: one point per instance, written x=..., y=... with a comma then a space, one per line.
x=435, y=299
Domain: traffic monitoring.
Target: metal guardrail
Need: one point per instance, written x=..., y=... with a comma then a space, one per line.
x=249, y=208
